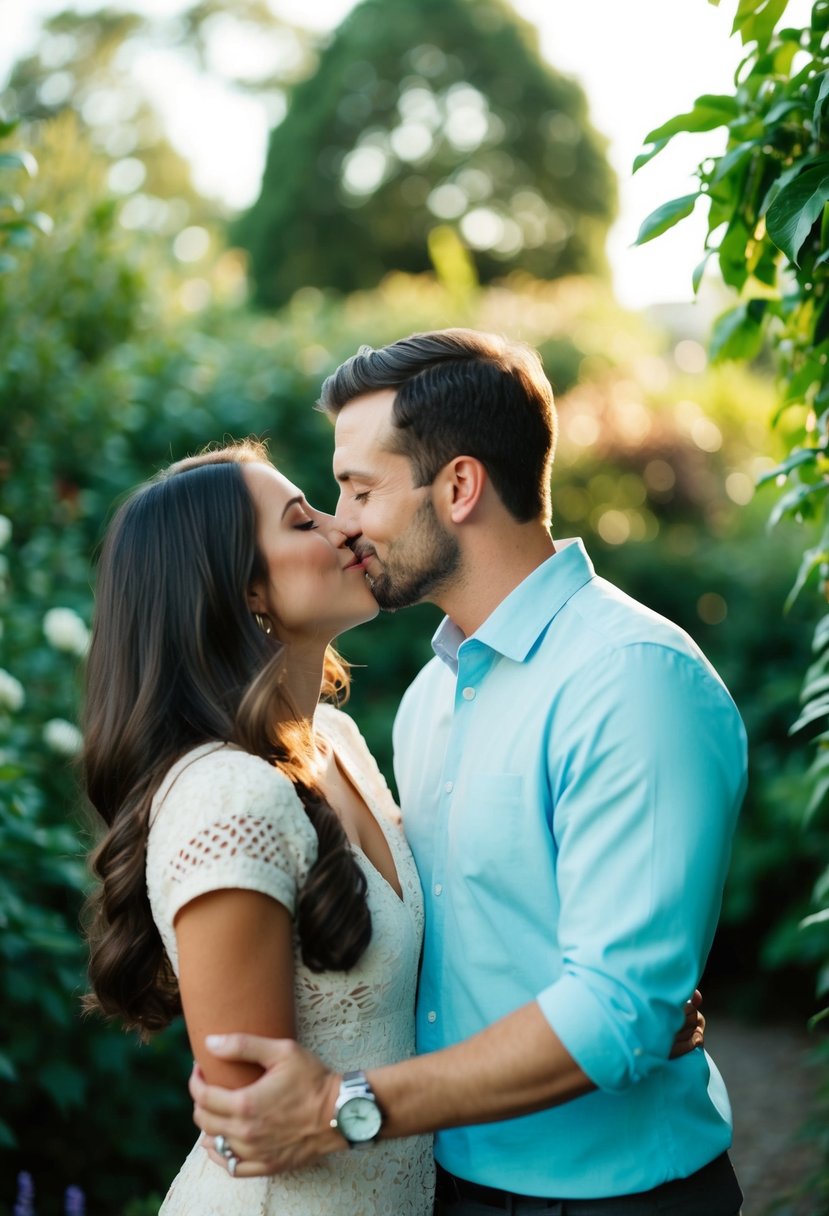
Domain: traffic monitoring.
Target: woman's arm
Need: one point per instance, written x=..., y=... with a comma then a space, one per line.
x=236, y=972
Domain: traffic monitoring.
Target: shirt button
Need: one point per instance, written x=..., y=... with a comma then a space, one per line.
x=450, y=785
x=438, y=888
x=468, y=694
x=431, y=1016
x=637, y=1051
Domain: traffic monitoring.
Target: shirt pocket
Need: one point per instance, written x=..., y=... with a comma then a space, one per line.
x=487, y=825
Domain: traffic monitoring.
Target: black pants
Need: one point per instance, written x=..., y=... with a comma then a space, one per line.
x=711, y=1191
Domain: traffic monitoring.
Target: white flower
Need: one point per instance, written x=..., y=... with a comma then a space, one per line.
x=65, y=630
x=5, y=530
x=11, y=691
x=62, y=737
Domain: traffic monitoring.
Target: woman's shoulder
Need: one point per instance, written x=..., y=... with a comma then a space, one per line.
x=220, y=776
x=338, y=726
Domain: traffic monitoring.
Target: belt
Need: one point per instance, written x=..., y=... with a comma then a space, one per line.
x=712, y=1189
x=450, y=1187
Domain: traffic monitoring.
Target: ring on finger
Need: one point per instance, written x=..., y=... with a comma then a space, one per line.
x=222, y=1147
x=232, y=1162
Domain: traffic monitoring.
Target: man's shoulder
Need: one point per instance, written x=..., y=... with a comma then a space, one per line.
x=603, y=617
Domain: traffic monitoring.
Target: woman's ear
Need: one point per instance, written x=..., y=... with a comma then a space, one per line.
x=256, y=598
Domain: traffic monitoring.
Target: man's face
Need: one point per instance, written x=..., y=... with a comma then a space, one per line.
x=392, y=525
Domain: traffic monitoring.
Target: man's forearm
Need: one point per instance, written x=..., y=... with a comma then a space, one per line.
x=514, y=1067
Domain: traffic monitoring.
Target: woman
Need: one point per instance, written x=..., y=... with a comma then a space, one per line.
x=254, y=873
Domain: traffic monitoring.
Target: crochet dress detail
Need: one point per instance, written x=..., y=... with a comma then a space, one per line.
x=223, y=818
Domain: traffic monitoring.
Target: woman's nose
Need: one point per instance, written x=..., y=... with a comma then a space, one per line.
x=334, y=531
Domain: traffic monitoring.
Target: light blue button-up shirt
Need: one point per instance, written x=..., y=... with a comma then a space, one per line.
x=570, y=777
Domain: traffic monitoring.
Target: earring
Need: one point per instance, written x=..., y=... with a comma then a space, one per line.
x=263, y=622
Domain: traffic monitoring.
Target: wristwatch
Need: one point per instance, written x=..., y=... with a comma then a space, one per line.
x=356, y=1114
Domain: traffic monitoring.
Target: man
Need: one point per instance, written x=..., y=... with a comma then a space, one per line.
x=570, y=771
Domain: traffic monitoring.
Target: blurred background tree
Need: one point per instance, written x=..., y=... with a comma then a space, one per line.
x=126, y=341
x=435, y=112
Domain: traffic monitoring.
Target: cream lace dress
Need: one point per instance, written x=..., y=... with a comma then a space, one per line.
x=225, y=819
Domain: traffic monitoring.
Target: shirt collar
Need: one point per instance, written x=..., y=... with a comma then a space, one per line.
x=514, y=627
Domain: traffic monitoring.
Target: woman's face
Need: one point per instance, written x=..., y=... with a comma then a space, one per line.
x=314, y=588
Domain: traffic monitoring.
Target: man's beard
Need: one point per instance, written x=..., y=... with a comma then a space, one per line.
x=417, y=564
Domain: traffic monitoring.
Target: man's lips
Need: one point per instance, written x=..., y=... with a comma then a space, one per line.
x=360, y=560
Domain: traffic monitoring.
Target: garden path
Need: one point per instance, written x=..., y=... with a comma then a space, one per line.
x=772, y=1085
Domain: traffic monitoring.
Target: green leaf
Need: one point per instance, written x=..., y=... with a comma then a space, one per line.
x=810, y=561
x=823, y=93
x=797, y=458
x=816, y=801
x=699, y=271
x=821, y=635
x=665, y=217
x=795, y=209
x=756, y=21
x=816, y=918
x=733, y=253
x=19, y=160
x=6, y=128
x=798, y=388
x=709, y=112
x=66, y=1084
x=644, y=157
x=815, y=1021
x=780, y=110
x=738, y=333
x=733, y=160
x=795, y=500
x=811, y=713
x=789, y=175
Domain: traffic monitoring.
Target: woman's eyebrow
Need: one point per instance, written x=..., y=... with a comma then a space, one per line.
x=292, y=502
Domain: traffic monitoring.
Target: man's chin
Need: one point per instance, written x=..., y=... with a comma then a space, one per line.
x=389, y=598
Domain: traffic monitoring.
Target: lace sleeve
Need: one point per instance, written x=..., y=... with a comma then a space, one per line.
x=222, y=820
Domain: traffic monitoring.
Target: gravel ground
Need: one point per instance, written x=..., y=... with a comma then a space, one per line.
x=772, y=1087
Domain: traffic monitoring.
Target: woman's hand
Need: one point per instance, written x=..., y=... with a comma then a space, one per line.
x=691, y=1033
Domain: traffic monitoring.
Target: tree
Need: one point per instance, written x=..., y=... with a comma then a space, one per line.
x=85, y=62
x=422, y=114
x=768, y=228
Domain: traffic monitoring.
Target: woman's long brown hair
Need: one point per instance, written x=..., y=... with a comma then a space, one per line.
x=176, y=661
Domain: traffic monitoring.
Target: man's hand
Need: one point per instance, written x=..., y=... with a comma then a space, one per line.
x=691, y=1033
x=280, y=1122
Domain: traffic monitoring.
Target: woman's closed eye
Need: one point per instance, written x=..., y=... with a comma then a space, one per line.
x=362, y=496
x=308, y=526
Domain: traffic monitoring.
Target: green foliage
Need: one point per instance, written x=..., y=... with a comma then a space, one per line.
x=18, y=227
x=445, y=114
x=768, y=224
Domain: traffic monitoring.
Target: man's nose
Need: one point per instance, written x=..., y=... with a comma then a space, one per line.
x=345, y=518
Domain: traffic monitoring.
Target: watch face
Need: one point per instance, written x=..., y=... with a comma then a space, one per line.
x=359, y=1119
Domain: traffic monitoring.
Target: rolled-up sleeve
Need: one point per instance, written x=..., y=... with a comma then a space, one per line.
x=646, y=798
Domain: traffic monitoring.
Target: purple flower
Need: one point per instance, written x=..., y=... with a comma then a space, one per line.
x=25, y=1203
x=73, y=1202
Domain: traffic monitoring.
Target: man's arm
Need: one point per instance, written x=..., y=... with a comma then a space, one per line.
x=282, y=1121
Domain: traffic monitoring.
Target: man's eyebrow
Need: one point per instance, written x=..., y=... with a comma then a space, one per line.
x=292, y=502
x=352, y=475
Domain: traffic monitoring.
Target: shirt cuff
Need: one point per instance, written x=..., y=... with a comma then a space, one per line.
x=595, y=1036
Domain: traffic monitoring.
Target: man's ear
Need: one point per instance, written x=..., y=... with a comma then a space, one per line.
x=464, y=481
